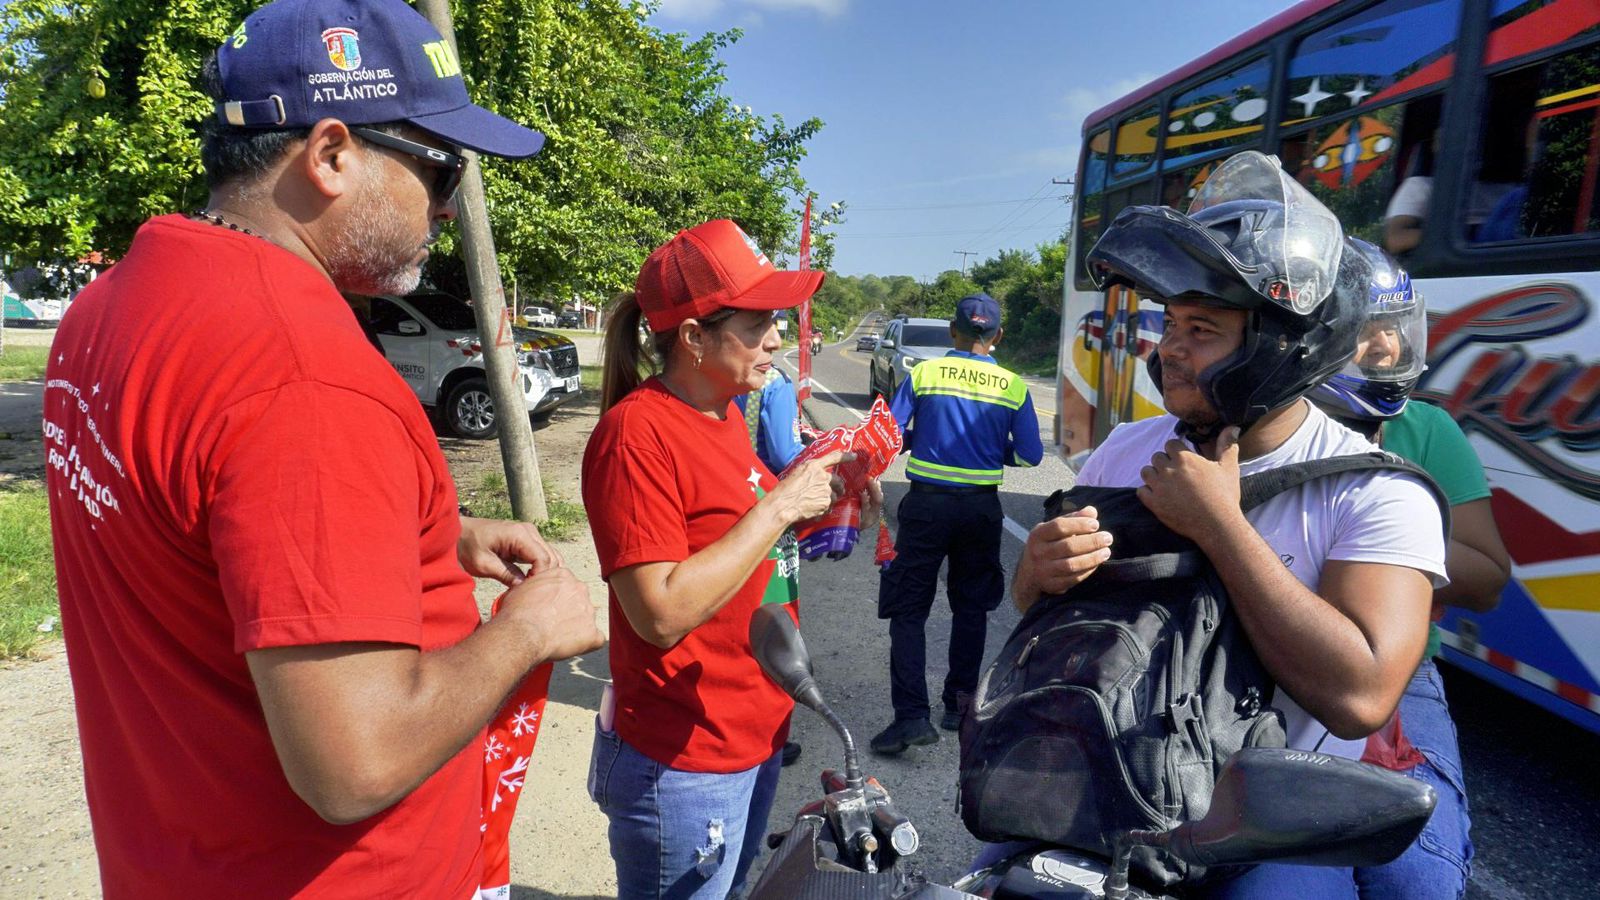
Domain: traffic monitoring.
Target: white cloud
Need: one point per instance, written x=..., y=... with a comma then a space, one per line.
x=704, y=9
x=1079, y=102
x=1075, y=106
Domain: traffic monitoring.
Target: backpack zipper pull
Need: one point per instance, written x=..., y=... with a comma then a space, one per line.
x=1027, y=651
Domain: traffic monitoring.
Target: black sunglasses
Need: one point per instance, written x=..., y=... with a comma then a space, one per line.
x=449, y=165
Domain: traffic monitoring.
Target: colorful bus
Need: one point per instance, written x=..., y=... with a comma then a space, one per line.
x=1464, y=135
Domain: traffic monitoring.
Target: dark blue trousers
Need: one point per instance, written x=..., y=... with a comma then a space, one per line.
x=964, y=528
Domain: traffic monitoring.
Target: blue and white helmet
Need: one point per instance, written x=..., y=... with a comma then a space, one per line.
x=1390, y=351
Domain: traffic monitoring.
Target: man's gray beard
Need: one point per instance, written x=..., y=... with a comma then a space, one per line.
x=373, y=254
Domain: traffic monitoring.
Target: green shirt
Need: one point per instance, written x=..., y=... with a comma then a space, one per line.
x=1427, y=436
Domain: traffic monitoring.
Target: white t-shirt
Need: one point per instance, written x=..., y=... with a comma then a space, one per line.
x=1378, y=517
x=1412, y=196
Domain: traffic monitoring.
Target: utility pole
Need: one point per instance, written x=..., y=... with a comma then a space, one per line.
x=517, y=453
x=1069, y=199
x=964, y=254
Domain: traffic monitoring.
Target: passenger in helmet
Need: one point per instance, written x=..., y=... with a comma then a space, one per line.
x=1263, y=298
x=1391, y=344
x=1371, y=395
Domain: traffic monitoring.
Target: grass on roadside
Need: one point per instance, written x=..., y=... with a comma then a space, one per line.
x=23, y=363
x=1035, y=363
x=27, y=571
x=590, y=377
x=491, y=500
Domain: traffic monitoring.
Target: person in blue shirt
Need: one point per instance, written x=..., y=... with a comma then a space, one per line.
x=772, y=415
x=965, y=419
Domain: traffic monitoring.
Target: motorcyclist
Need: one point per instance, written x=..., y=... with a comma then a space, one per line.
x=1371, y=396
x=1332, y=580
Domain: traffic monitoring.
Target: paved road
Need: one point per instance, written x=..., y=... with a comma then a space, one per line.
x=1530, y=774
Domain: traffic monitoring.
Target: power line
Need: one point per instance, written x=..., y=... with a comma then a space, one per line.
x=996, y=228
x=1050, y=219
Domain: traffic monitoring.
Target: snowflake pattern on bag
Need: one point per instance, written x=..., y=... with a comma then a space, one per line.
x=507, y=753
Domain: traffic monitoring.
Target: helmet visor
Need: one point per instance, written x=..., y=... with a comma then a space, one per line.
x=1303, y=249
x=1393, y=341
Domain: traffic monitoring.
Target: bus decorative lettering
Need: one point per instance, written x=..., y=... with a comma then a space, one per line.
x=1514, y=398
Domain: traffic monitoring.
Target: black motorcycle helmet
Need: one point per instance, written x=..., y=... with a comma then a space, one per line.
x=1253, y=240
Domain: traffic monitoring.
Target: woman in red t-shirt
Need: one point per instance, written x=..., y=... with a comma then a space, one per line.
x=692, y=535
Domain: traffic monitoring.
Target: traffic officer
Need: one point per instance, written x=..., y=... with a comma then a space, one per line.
x=965, y=418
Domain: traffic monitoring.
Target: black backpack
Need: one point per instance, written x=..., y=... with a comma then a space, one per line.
x=1113, y=707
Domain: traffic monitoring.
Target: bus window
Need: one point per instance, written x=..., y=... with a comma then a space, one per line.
x=1131, y=195
x=1223, y=112
x=1091, y=199
x=1180, y=187
x=1539, y=156
x=1354, y=165
x=1520, y=27
x=1379, y=53
x=1136, y=142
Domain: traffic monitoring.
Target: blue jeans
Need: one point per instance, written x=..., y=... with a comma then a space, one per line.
x=677, y=834
x=1437, y=865
x=1434, y=867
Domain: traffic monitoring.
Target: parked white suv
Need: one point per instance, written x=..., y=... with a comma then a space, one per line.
x=539, y=316
x=431, y=339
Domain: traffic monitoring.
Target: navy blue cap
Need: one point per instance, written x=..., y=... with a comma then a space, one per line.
x=295, y=62
x=978, y=314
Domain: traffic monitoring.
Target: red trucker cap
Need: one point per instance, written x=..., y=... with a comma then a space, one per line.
x=711, y=266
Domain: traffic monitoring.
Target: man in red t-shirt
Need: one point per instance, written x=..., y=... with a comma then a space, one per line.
x=280, y=675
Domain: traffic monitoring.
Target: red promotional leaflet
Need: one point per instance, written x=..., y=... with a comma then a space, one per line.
x=507, y=749
x=884, y=553
x=875, y=443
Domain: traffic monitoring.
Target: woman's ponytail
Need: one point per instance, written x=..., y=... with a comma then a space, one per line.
x=625, y=353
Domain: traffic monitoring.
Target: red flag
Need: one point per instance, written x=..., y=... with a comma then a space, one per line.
x=803, y=389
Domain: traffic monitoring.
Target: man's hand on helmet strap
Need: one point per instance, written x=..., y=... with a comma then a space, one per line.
x=1191, y=494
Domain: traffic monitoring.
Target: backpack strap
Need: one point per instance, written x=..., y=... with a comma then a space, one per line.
x=1257, y=489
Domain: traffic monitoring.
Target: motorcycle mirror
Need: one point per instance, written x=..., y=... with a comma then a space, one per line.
x=778, y=647
x=1294, y=806
x=776, y=644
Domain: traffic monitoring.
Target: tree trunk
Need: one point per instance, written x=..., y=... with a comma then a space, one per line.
x=517, y=453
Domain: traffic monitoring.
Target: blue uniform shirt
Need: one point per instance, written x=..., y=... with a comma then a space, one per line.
x=964, y=419
x=772, y=415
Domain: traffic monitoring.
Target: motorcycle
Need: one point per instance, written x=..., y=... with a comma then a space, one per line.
x=854, y=842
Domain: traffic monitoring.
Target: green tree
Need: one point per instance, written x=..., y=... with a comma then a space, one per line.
x=101, y=102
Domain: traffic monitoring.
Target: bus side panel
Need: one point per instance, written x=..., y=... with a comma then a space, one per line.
x=1078, y=370
x=1088, y=414
x=1514, y=360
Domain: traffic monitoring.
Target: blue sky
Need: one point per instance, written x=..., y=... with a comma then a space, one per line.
x=945, y=120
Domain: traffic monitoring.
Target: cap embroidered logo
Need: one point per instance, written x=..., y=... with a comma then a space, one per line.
x=344, y=48
x=761, y=258
x=444, y=62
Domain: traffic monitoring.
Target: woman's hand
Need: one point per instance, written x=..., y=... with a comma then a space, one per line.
x=808, y=491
